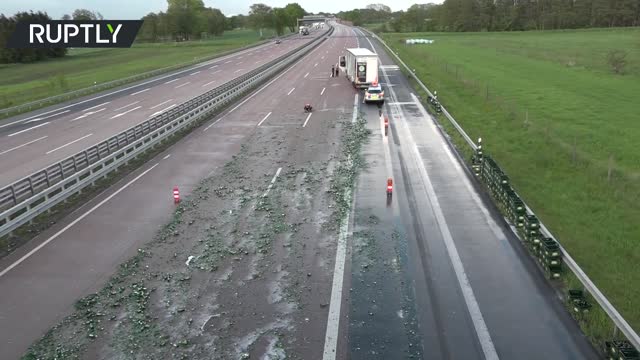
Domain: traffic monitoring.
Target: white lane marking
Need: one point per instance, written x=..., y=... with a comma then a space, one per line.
x=126, y=106
x=306, y=121
x=127, y=88
x=316, y=64
x=87, y=114
x=31, y=128
x=484, y=337
x=227, y=62
x=46, y=117
x=54, y=236
x=259, y=61
x=305, y=75
x=141, y=91
x=322, y=58
x=166, y=157
x=67, y=144
x=181, y=85
x=238, y=70
x=239, y=63
x=93, y=107
x=333, y=320
x=209, y=83
x=126, y=112
x=162, y=103
x=273, y=181
x=213, y=67
x=23, y=145
x=322, y=92
x=196, y=72
x=290, y=91
x=214, y=72
x=265, y=118
x=170, y=81
x=11, y=123
x=259, y=90
x=161, y=111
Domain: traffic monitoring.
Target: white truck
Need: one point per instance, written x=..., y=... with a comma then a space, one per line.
x=304, y=30
x=361, y=67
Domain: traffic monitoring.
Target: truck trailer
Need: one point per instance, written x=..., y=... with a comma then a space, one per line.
x=361, y=67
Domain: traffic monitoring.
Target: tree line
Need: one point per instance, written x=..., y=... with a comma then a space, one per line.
x=500, y=15
x=183, y=20
x=190, y=19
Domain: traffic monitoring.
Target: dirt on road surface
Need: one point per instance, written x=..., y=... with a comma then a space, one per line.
x=244, y=269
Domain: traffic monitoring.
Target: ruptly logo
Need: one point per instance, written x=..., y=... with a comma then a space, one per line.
x=74, y=33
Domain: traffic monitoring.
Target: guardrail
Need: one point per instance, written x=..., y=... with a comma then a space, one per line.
x=18, y=109
x=23, y=200
x=619, y=322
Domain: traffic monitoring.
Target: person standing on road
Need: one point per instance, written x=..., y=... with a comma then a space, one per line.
x=337, y=71
x=333, y=70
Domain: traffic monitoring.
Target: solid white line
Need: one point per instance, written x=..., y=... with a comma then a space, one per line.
x=305, y=75
x=161, y=111
x=162, y=103
x=306, y=121
x=141, y=91
x=265, y=118
x=23, y=145
x=181, y=85
x=126, y=112
x=11, y=123
x=259, y=90
x=209, y=83
x=93, y=107
x=31, y=128
x=484, y=337
x=87, y=114
x=275, y=177
x=170, y=81
x=322, y=92
x=54, y=236
x=67, y=144
x=166, y=157
x=197, y=72
x=120, y=108
x=46, y=117
x=333, y=320
x=290, y=91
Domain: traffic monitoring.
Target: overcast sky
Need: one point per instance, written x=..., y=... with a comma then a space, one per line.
x=135, y=9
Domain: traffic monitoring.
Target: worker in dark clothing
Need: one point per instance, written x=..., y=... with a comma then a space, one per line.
x=337, y=71
x=333, y=70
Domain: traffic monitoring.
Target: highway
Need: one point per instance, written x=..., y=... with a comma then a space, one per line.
x=32, y=141
x=433, y=273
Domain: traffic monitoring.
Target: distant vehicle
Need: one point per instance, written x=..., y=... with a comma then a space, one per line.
x=374, y=93
x=304, y=30
x=361, y=67
x=278, y=41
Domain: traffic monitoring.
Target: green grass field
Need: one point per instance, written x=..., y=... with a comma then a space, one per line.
x=21, y=83
x=556, y=118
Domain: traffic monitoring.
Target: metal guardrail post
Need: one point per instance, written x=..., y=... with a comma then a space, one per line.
x=620, y=323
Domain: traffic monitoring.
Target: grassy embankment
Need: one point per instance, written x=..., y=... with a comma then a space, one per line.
x=21, y=83
x=564, y=127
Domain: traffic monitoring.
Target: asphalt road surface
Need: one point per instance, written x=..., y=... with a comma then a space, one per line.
x=430, y=273
x=78, y=255
x=32, y=141
x=446, y=278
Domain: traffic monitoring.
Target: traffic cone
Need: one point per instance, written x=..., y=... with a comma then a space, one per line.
x=176, y=195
